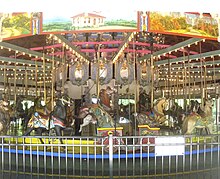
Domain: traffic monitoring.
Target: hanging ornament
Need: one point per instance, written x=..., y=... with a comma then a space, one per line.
x=78, y=72
x=124, y=71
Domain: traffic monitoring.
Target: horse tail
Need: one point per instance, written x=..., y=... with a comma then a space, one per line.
x=184, y=125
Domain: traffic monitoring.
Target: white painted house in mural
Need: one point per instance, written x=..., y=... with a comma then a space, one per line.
x=88, y=20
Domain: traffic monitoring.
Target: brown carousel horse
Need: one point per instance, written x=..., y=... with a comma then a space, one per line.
x=42, y=120
x=4, y=116
x=156, y=116
x=105, y=97
x=201, y=118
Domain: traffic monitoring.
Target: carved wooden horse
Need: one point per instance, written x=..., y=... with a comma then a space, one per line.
x=87, y=116
x=56, y=120
x=105, y=96
x=201, y=118
x=4, y=116
x=156, y=116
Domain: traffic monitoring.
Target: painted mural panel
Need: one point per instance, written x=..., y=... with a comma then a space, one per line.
x=94, y=16
x=185, y=23
x=17, y=24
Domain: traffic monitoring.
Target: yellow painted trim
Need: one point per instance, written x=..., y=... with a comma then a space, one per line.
x=151, y=128
x=109, y=128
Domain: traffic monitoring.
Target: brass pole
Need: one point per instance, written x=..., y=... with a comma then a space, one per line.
x=169, y=80
x=184, y=81
x=205, y=79
x=177, y=83
x=26, y=82
x=136, y=88
x=63, y=70
x=5, y=79
x=189, y=79
x=52, y=82
x=15, y=79
x=152, y=81
x=44, y=78
x=36, y=88
x=98, y=72
x=201, y=80
x=216, y=96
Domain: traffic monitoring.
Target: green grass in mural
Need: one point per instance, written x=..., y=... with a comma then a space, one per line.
x=16, y=25
x=57, y=26
x=67, y=26
x=121, y=23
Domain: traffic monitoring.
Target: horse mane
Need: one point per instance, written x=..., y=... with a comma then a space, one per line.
x=159, y=100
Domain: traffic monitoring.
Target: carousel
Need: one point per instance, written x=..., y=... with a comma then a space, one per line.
x=95, y=98
x=129, y=83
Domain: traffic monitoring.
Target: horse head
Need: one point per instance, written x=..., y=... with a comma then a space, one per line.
x=209, y=102
x=4, y=105
x=162, y=104
x=65, y=100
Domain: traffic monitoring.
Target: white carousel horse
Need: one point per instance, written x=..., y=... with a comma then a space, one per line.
x=87, y=115
x=200, y=119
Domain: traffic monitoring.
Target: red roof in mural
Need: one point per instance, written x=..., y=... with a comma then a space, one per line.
x=197, y=13
x=87, y=15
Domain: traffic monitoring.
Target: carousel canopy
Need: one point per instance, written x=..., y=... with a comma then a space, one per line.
x=43, y=57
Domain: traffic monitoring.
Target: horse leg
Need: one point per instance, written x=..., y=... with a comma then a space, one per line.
x=39, y=132
x=207, y=130
x=28, y=131
x=85, y=123
x=58, y=132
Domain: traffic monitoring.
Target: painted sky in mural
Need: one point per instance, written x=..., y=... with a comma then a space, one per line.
x=97, y=16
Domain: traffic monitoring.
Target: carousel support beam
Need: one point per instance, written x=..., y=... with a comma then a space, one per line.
x=123, y=45
x=22, y=61
x=26, y=51
x=22, y=68
x=172, y=48
x=192, y=57
x=71, y=46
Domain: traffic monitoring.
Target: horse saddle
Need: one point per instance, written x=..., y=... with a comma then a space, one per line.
x=150, y=114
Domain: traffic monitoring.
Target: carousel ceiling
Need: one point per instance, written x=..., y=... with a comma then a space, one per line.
x=179, y=60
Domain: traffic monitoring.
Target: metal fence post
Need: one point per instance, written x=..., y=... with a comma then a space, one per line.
x=110, y=155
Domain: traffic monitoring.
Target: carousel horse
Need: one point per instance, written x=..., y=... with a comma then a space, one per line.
x=19, y=111
x=177, y=113
x=37, y=107
x=156, y=116
x=144, y=101
x=4, y=116
x=105, y=97
x=86, y=114
x=200, y=118
x=94, y=114
x=41, y=121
